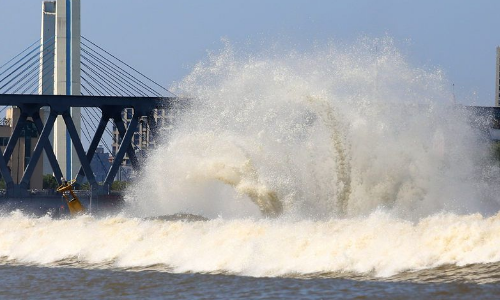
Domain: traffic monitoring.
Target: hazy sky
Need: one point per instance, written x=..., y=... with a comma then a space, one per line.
x=164, y=39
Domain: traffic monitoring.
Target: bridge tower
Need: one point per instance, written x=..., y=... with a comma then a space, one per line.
x=47, y=66
x=61, y=21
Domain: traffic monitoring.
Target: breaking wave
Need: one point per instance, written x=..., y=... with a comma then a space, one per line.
x=379, y=244
x=339, y=159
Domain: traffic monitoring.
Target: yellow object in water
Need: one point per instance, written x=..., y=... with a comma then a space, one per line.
x=74, y=205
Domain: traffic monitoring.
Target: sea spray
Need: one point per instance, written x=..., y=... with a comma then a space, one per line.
x=337, y=131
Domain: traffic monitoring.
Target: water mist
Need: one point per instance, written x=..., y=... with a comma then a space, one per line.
x=338, y=131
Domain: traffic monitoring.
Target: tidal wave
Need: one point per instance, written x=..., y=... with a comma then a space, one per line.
x=342, y=159
x=378, y=245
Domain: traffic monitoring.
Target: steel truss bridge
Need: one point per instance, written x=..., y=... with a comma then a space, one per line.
x=60, y=105
x=108, y=85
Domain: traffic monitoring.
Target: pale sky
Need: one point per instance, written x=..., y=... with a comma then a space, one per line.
x=164, y=39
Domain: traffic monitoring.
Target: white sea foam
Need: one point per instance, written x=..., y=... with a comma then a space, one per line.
x=361, y=160
x=378, y=244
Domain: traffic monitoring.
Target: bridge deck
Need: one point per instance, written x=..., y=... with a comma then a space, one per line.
x=86, y=101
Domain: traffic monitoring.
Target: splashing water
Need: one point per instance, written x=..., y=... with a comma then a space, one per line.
x=359, y=157
x=338, y=131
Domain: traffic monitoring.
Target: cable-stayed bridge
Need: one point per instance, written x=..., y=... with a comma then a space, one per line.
x=65, y=91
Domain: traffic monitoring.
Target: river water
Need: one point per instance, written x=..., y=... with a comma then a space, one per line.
x=28, y=282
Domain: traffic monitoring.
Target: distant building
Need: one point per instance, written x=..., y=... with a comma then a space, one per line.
x=100, y=164
x=5, y=132
x=143, y=136
x=23, y=149
x=125, y=173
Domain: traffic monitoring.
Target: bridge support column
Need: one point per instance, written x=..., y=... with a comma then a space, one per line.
x=48, y=47
x=67, y=79
x=47, y=65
